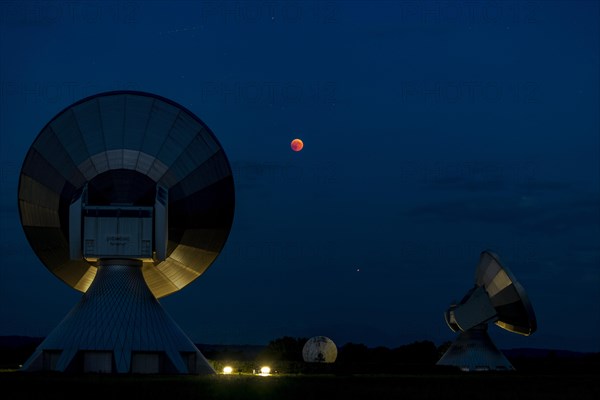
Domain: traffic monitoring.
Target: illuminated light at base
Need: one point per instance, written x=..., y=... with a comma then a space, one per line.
x=265, y=371
x=227, y=370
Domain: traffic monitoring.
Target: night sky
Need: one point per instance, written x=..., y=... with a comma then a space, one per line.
x=432, y=131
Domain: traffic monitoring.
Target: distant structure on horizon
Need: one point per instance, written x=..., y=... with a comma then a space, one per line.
x=319, y=349
x=127, y=197
x=496, y=297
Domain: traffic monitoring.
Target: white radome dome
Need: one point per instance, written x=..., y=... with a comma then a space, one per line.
x=319, y=349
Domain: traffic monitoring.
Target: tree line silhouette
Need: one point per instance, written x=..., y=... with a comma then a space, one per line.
x=355, y=357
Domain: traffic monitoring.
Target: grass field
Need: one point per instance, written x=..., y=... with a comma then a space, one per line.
x=487, y=386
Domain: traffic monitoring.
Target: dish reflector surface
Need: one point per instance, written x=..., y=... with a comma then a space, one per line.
x=123, y=146
x=506, y=294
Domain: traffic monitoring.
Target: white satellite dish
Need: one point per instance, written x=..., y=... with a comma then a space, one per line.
x=496, y=297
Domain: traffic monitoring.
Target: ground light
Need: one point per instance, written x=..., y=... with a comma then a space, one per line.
x=227, y=370
x=265, y=371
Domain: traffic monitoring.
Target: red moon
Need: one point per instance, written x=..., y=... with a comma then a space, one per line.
x=297, y=144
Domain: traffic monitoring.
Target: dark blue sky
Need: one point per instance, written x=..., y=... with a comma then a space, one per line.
x=432, y=130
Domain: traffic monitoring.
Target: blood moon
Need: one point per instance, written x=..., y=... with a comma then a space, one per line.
x=297, y=144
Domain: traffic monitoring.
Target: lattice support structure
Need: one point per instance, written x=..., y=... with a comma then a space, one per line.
x=118, y=326
x=473, y=350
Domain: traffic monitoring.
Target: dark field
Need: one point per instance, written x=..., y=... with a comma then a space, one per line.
x=580, y=386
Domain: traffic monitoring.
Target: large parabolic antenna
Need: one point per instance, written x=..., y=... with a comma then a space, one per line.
x=127, y=197
x=496, y=297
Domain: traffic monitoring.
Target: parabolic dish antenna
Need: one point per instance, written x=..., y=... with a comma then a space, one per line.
x=319, y=349
x=496, y=297
x=124, y=187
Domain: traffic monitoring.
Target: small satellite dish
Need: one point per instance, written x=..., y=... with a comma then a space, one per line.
x=319, y=349
x=496, y=297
